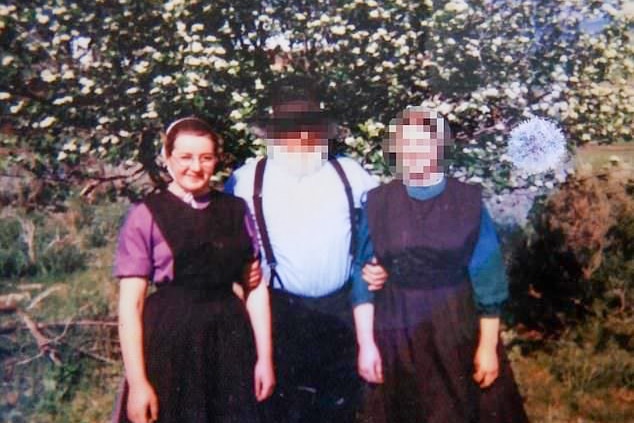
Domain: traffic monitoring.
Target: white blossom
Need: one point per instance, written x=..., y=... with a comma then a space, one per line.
x=48, y=76
x=68, y=74
x=16, y=107
x=338, y=29
x=239, y=126
x=6, y=10
x=42, y=19
x=196, y=47
x=456, y=6
x=193, y=61
x=47, y=121
x=63, y=100
x=86, y=82
x=141, y=67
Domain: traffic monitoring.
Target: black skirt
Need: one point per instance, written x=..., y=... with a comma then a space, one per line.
x=200, y=356
x=427, y=339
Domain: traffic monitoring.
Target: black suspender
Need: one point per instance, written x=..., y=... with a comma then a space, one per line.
x=348, y=188
x=259, y=214
x=259, y=218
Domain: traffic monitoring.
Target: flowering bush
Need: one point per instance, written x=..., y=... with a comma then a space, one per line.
x=83, y=83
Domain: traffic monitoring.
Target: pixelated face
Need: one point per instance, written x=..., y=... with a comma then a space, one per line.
x=416, y=145
x=302, y=138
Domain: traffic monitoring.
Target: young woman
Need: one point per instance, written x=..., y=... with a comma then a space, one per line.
x=429, y=340
x=188, y=349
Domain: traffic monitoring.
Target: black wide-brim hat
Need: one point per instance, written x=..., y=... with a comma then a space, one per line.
x=294, y=107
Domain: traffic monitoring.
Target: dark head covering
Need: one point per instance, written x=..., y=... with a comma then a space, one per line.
x=295, y=106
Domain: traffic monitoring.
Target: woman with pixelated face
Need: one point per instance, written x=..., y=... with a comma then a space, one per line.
x=417, y=146
x=428, y=337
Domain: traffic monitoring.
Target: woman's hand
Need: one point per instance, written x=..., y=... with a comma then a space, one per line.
x=485, y=363
x=142, y=404
x=264, y=379
x=486, y=367
x=369, y=363
x=374, y=274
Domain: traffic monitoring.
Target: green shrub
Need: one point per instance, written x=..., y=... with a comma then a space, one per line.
x=104, y=224
x=14, y=260
x=577, y=261
x=42, y=243
x=61, y=257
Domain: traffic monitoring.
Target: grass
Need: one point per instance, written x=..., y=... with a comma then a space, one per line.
x=83, y=387
x=597, y=156
x=576, y=378
x=563, y=382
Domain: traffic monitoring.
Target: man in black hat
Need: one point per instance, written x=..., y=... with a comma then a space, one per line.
x=304, y=205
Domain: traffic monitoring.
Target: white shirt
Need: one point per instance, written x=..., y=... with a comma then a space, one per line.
x=308, y=221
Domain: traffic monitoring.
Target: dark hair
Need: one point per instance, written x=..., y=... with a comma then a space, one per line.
x=190, y=125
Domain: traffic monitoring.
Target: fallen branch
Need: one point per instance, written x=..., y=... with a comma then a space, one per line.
x=43, y=295
x=86, y=323
x=79, y=323
x=28, y=360
x=43, y=343
x=30, y=287
x=9, y=302
x=95, y=356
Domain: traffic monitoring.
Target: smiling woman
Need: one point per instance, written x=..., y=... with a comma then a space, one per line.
x=188, y=348
x=191, y=149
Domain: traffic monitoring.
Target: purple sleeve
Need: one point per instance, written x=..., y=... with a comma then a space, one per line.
x=134, y=250
x=142, y=250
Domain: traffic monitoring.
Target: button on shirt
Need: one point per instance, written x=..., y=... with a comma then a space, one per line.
x=308, y=222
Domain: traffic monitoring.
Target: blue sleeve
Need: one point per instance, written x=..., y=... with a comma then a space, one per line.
x=360, y=293
x=230, y=185
x=486, y=270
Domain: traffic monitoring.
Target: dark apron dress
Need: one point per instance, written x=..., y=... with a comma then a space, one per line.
x=426, y=325
x=198, y=342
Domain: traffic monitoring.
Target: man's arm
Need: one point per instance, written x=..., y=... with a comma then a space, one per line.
x=369, y=363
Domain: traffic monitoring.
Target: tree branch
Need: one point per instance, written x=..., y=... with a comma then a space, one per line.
x=43, y=343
